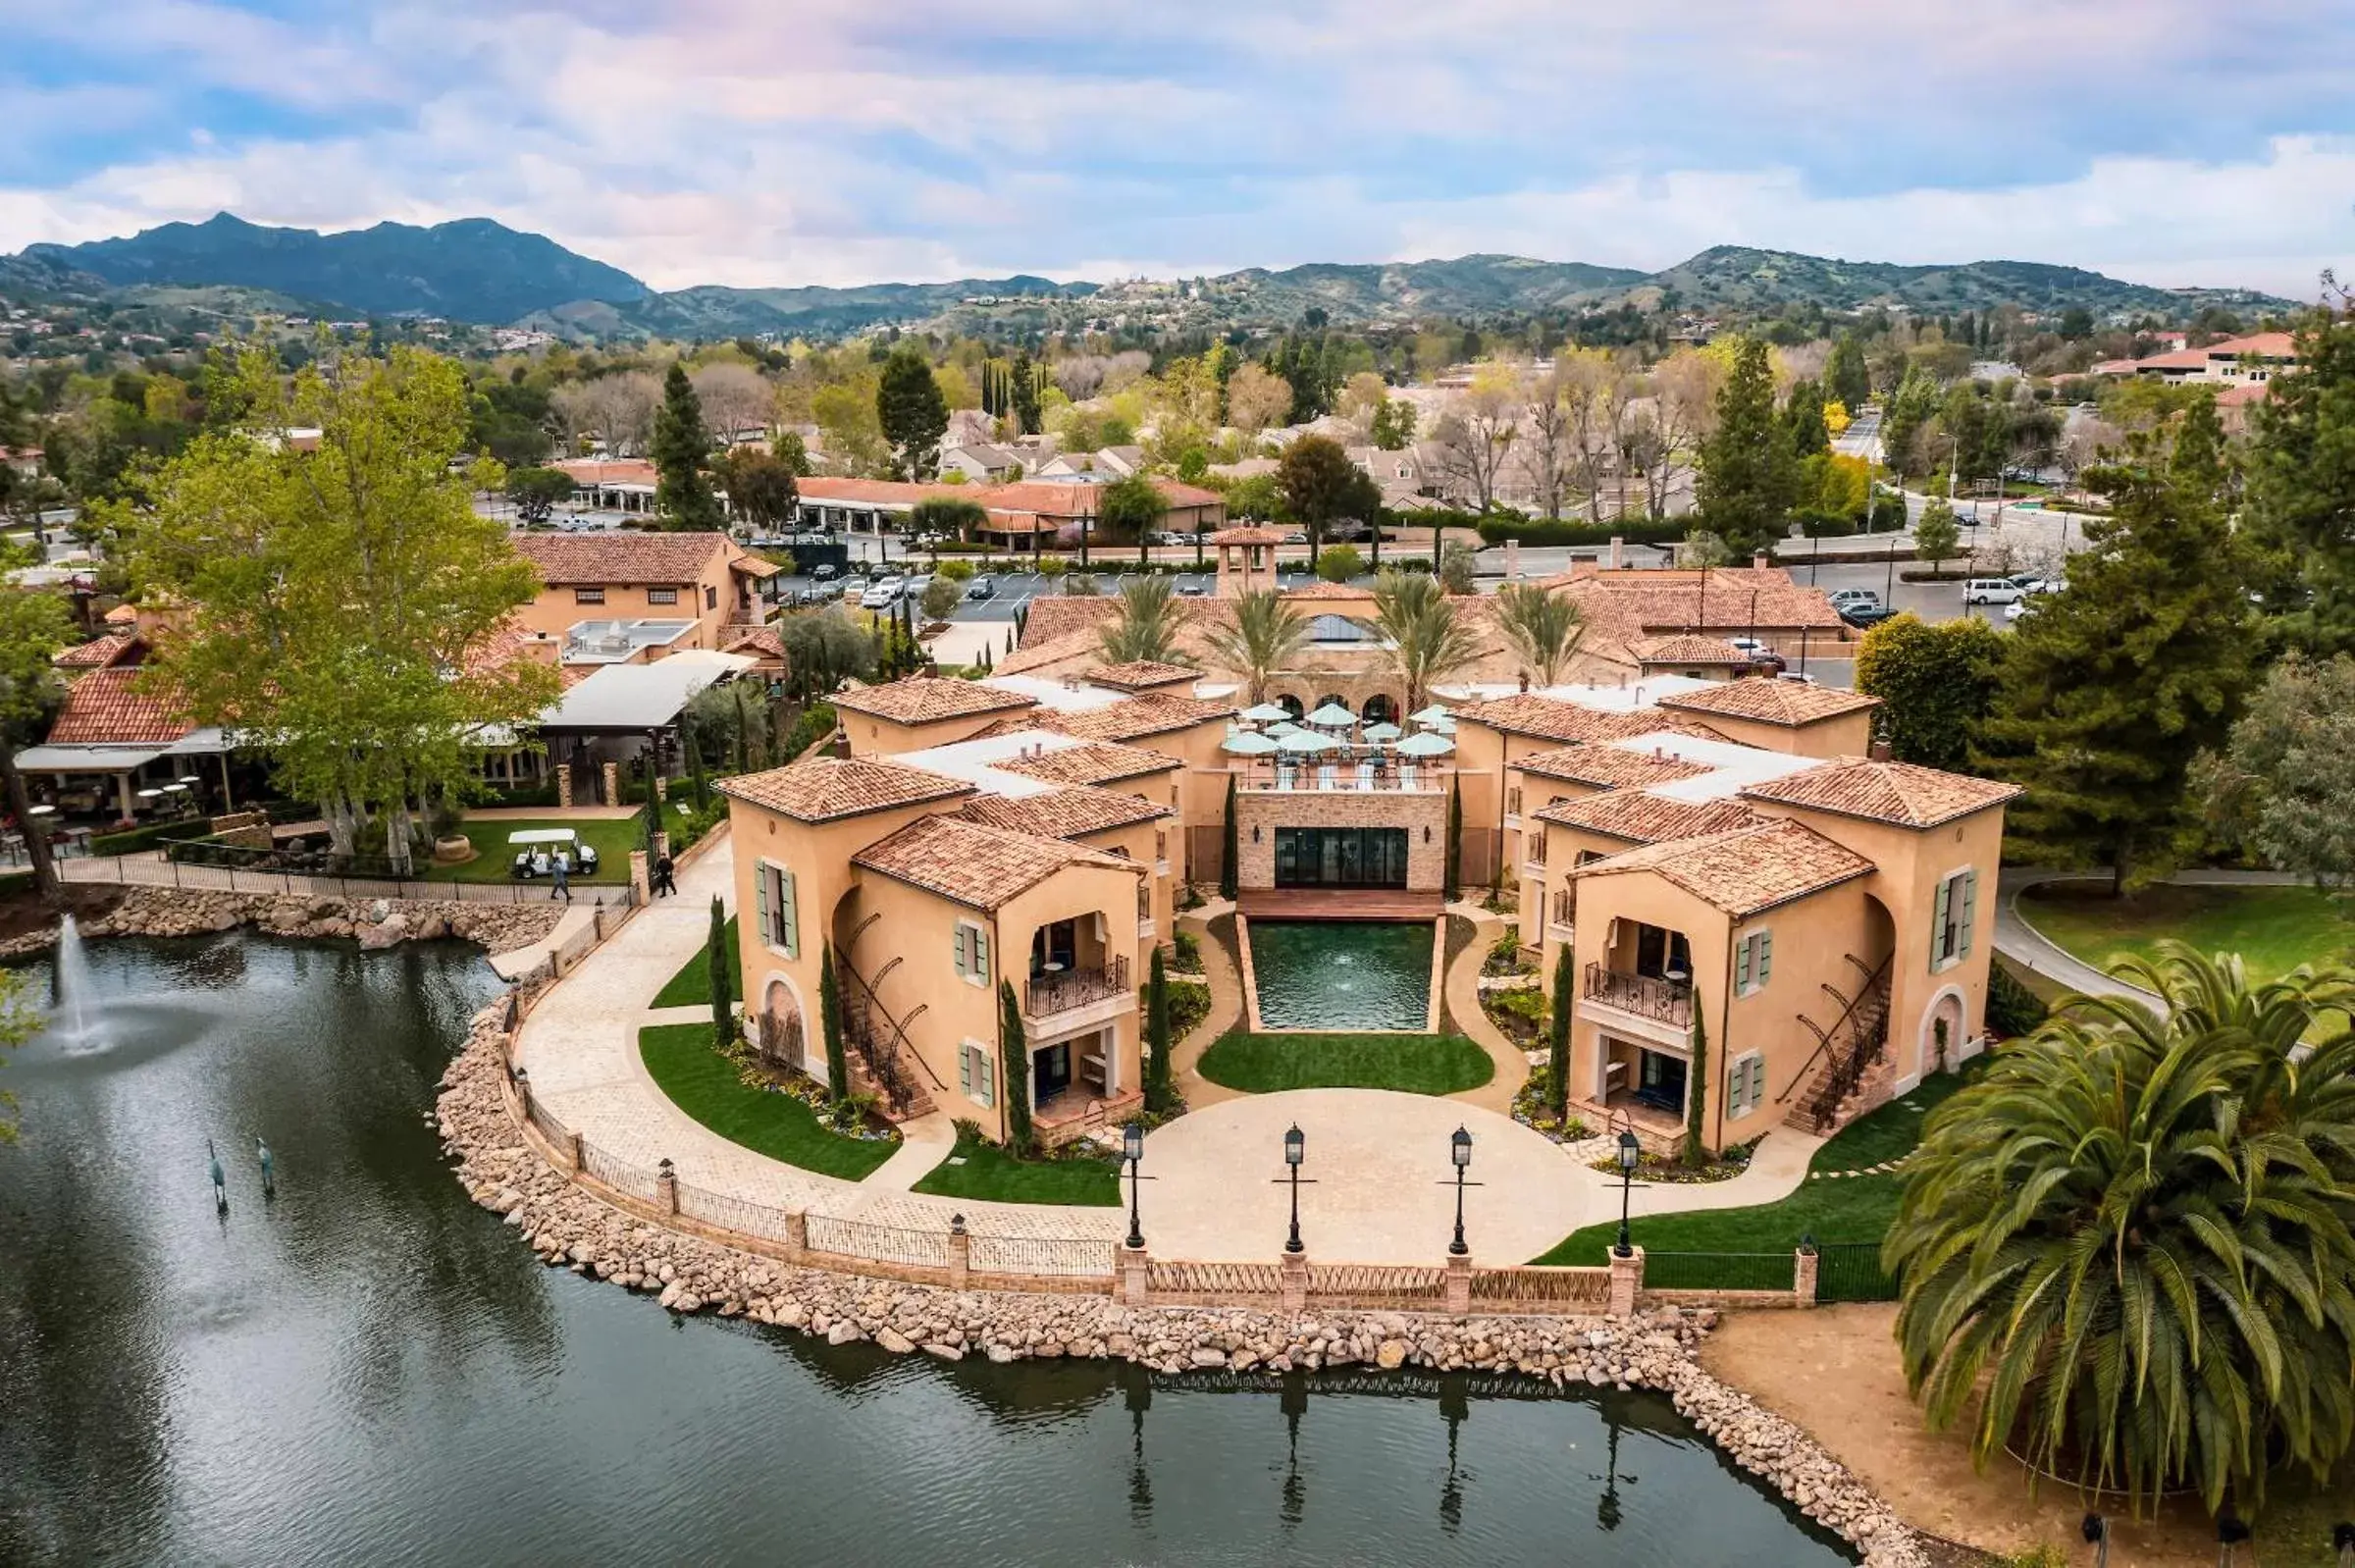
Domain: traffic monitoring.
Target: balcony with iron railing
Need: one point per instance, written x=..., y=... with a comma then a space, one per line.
x=1062, y=991
x=1641, y=995
x=1311, y=778
x=1559, y=910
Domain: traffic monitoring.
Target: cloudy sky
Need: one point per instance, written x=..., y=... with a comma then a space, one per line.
x=834, y=142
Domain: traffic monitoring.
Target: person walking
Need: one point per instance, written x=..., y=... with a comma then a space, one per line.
x=664, y=886
x=563, y=887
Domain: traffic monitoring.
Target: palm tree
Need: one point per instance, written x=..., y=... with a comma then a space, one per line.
x=2130, y=1243
x=1146, y=628
x=1543, y=628
x=1427, y=639
x=1263, y=638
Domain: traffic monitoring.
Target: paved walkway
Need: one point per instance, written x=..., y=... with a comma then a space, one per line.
x=2024, y=945
x=1472, y=1020
x=1379, y=1159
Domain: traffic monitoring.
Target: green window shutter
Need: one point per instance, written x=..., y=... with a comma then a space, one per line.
x=789, y=920
x=988, y=1064
x=980, y=940
x=1970, y=906
x=964, y=1071
x=957, y=943
x=1765, y=955
x=760, y=895
x=1938, y=924
x=1742, y=966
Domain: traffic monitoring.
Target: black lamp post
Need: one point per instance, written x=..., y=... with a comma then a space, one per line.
x=1459, y=1148
x=1296, y=1150
x=1631, y=1155
x=1133, y=1149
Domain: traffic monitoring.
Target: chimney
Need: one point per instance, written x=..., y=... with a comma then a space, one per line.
x=1618, y=552
x=1758, y=563
x=1880, y=751
x=1525, y=680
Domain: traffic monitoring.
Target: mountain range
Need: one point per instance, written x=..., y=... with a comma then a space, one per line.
x=478, y=271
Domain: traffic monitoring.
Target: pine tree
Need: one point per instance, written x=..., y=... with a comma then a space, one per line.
x=1802, y=418
x=1697, y=1086
x=2301, y=486
x=1557, y=1033
x=681, y=447
x=830, y=1017
x=1749, y=475
x=1158, y=1093
x=1013, y=1057
x=913, y=412
x=1846, y=377
x=723, y=994
x=2113, y=686
x=1230, y=848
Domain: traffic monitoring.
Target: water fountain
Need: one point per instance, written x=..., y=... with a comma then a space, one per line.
x=74, y=992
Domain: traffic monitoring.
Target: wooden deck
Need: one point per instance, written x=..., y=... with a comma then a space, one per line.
x=1337, y=904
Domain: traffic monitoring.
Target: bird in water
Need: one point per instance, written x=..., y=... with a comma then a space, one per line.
x=219, y=1178
x=269, y=1169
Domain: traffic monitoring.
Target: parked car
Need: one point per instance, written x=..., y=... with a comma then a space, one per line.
x=1992, y=591
x=2019, y=607
x=2031, y=583
x=1760, y=656
x=1193, y=587
x=1841, y=598
x=882, y=593
x=832, y=590
x=1296, y=537
x=825, y=571
x=983, y=587
x=1861, y=617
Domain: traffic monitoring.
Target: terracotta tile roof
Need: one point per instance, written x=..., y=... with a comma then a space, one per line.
x=1328, y=590
x=2264, y=344
x=1686, y=648
x=1903, y=792
x=1773, y=701
x=762, y=642
x=1247, y=534
x=927, y=699
x=102, y=707
x=1743, y=872
x=1146, y=713
x=630, y=559
x=749, y=565
x=123, y=615
x=883, y=491
x=497, y=649
x=1089, y=763
x=98, y=654
x=606, y=470
x=1632, y=604
x=1071, y=812
x=976, y=865
x=1609, y=767
x=1052, y=615
x=1141, y=675
x=1551, y=718
x=1643, y=818
x=821, y=789
x=1034, y=654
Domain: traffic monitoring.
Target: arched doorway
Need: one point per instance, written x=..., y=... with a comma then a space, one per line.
x=1290, y=705
x=778, y=1034
x=1941, y=1033
x=1380, y=709
x=1333, y=699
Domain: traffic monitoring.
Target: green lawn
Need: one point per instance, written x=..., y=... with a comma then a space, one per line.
x=691, y=985
x=1848, y=1208
x=493, y=856
x=699, y=1082
x=2273, y=930
x=1419, y=1063
x=989, y=1173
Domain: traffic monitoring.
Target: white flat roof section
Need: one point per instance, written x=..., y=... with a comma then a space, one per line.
x=975, y=761
x=1055, y=693
x=641, y=697
x=1734, y=768
x=615, y=642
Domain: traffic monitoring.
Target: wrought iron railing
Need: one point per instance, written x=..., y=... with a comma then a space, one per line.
x=1058, y=993
x=1662, y=1000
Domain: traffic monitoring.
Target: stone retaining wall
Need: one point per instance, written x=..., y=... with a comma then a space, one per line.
x=566, y=1227
x=374, y=922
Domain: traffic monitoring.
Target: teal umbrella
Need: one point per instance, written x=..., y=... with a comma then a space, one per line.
x=1434, y=714
x=1245, y=743
x=1425, y=745
x=1332, y=716
x=1306, y=743
x=1381, y=732
x=1267, y=714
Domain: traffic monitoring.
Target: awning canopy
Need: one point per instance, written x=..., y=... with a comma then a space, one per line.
x=625, y=699
x=95, y=756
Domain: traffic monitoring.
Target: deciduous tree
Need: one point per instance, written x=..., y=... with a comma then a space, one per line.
x=32, y=628
x=2282, y=786
x=1321, y=486
x=1936, y=684
x=913, y=413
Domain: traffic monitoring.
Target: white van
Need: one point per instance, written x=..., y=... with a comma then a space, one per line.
x=1992, y=591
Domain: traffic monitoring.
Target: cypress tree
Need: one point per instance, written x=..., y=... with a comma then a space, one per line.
x=1157, y=1094
x=830, y=1017
x=1013, y=1059
x=1697, y=1086
x=1749, y=475
x=680, y=448
x=1558, y=1032
x=723, y=1018
x=1230, y=848
x=913, y=413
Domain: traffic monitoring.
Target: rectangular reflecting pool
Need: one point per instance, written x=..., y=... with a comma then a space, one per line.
x=1343, y=974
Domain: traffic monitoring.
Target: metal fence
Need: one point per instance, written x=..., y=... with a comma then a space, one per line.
x=126, y=871
x=1851, y=1271
x=883, y=1243
x=1719, y=1271
x=1054, y=1257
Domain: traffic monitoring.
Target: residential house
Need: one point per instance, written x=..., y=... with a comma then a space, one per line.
x=628, y=598
x=981, y=463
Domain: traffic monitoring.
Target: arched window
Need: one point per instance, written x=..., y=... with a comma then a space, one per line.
x=1290, y=705
x=1380, y=709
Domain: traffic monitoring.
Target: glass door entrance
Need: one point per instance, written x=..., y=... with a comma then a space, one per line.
x=1340, y=856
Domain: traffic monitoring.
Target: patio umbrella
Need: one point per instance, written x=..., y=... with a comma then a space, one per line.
x=1425, y=745
x=1267, y=714
x=1434, y=714
x=1306, y=743
x=1245, y=743
x=1381, y=732
x=1332, y=716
